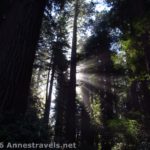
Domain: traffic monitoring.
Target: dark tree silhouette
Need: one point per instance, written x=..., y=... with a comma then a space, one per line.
x=19, y=30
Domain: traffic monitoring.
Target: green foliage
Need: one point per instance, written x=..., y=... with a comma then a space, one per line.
x=129, y=58
x=119, y=60
x=96, y=112
x=26, y=128
x=124, y=129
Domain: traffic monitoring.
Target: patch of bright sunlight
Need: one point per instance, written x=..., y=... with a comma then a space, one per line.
x=100, y=5
x=79, y=92
x=79, y=76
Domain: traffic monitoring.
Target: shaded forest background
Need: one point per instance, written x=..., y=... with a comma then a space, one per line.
x=76, y=71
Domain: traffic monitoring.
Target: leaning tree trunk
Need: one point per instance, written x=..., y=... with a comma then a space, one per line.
x=71, y=129
x=19, y=31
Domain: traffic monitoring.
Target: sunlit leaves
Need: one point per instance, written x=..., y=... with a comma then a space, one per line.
x=128, y=128
x=96, y=112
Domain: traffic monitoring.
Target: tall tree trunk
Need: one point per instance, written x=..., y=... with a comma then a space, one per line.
x=49, y=98
x=19, y=31
x=60, y=106
x=71, y=128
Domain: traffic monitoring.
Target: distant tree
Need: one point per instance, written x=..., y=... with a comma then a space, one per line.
x=58, y=62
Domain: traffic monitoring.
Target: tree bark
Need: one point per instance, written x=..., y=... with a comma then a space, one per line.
x=19, y=32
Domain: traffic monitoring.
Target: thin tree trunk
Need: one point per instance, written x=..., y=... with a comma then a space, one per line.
x=48, y=77
x=38, y=78
x=19, y=33
x=49, y=98
x=47, y=84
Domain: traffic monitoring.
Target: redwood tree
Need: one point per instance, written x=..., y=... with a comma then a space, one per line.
x=19, y=30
